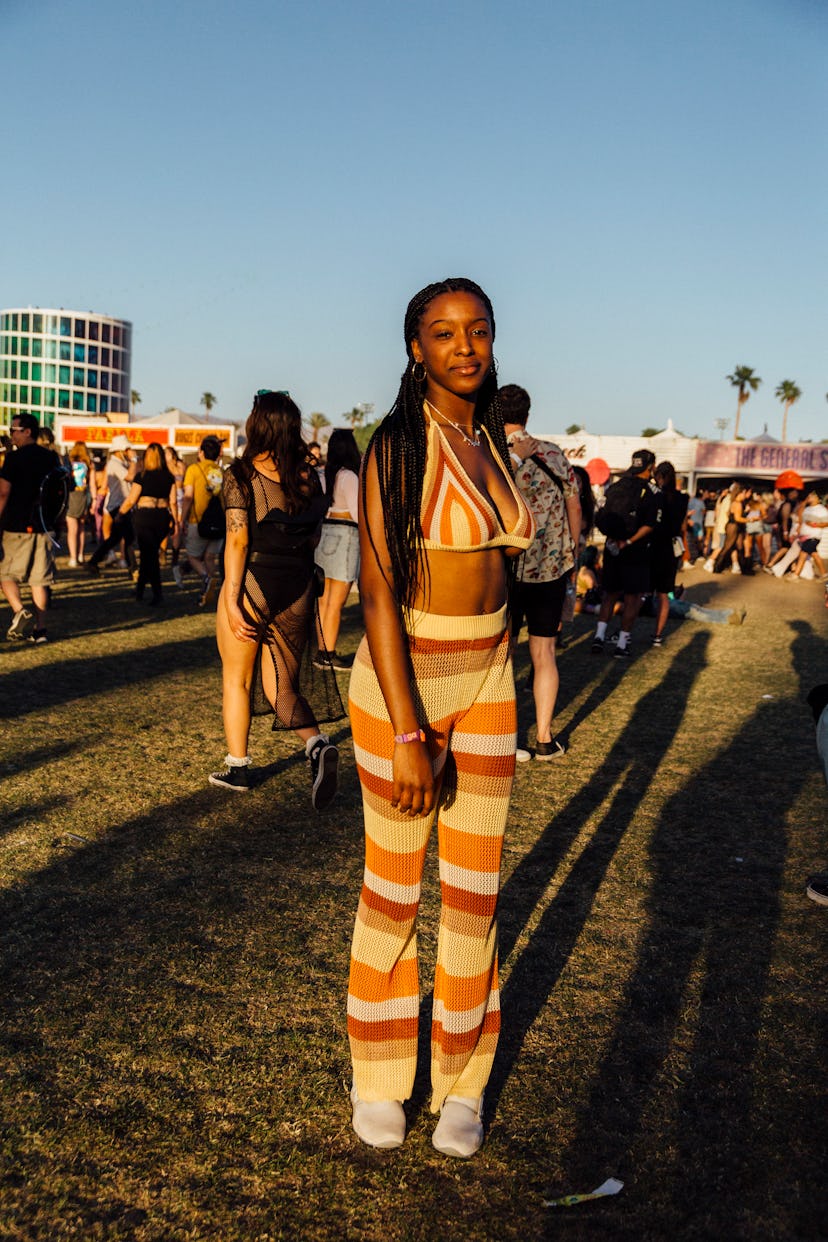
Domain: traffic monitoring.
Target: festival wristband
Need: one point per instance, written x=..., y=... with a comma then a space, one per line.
x=416, y=736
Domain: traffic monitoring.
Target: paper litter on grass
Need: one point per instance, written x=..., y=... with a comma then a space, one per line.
x=610, y=1187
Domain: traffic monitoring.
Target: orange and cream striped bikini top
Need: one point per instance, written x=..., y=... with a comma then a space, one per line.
x=454, y=515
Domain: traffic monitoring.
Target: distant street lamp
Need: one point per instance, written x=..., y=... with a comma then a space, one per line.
x=721, y=423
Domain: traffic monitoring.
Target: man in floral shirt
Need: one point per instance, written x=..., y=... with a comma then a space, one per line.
x=547, y=483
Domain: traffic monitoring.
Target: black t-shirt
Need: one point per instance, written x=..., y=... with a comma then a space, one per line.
x=156, y=484
x=647, y=513
x=24, y=470
x=674, y=511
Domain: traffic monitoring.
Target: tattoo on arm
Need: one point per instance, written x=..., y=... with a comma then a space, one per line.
x=236, y=519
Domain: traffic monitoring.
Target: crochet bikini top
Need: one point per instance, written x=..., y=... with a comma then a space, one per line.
x=454, y=515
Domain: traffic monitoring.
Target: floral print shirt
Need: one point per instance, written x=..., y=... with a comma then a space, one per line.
x=551, y=555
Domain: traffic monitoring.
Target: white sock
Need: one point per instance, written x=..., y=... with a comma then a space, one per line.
x=311, y=742
x=601, y=630
x=233, y=761
x=623, y=639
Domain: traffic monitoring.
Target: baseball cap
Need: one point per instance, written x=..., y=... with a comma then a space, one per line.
x=119, y=444
x=641, y=460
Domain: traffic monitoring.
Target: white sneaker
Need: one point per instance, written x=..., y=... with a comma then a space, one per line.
x=379, y=1123
x=72, y=564
x=522, y=756
x=735, y=569
x=708, y=565
x=459, y=1132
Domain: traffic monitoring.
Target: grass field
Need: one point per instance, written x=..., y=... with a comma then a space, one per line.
x=174, y=957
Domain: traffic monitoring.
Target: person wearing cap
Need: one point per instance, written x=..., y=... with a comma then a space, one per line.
x=202, y=481
x=26, y=554
x=627, y=559
x=121, y=469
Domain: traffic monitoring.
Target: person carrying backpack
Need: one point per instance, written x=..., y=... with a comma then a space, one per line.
x=202, y=516
x=631, y=512
x=28, y=550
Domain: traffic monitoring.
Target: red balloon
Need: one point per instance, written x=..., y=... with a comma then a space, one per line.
x=598, y=470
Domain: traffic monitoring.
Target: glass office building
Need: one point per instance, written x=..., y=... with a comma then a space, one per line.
x=63, y=362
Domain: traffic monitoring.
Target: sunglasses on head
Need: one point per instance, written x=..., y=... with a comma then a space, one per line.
x=278, y=392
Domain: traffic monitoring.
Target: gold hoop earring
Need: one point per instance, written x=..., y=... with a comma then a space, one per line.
x=418, y=379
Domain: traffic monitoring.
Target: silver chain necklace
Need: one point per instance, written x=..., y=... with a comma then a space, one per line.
x=474, y=442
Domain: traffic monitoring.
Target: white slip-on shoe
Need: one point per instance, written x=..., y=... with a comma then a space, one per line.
x=379, y=1123
x=459, y=1132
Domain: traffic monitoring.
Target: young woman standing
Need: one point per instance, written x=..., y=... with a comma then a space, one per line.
x=266, y=613
x=433, y=717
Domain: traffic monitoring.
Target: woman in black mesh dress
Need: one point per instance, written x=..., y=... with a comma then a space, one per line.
x=266, y=615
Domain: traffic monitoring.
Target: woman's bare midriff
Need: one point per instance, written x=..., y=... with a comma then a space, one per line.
x=464, y=584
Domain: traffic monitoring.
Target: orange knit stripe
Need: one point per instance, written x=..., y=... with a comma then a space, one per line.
x=368, y=984
x=383, y=1032
x=469, y=849
x=464, y=1042
x=397, y=912
x=390, y=865
x=479, y=905
x=472, y=990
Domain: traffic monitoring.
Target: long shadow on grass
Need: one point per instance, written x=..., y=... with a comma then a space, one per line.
x=36, y=689
x=697, y=994
x=634, y=758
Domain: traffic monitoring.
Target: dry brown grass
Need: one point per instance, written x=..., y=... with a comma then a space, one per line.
x=174, y=958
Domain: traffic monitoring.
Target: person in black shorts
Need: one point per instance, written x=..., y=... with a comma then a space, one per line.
x=627, y=561
x=666, y=556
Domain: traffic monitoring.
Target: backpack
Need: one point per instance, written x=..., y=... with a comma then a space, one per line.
x=211, y=524
x=52, y=499
x=617, y=518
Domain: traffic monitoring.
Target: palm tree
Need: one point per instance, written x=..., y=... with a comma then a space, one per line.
x=317, y=421
x=356, y=416
x=208, y=401
x=135, y=399
x=743, y=379
x=788, y=393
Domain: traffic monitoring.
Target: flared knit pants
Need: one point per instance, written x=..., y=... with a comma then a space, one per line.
x=465, y=692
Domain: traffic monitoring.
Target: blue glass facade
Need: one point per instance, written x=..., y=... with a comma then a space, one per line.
x=89, y=371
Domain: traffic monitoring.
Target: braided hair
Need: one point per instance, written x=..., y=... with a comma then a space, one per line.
x=399, y=446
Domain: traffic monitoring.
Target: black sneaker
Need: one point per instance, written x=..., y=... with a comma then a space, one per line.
x=323, y=660
x=21, y=625
x=39, y=637
x=622, y=654
x=817, y=888
x=324, y=765
x=232, y=777
x=597, y=646
x=554, y=749
x=658, y=641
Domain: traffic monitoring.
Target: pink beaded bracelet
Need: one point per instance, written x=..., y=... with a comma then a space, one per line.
x=416, y=736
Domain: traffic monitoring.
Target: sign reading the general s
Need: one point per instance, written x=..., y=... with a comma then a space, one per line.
x=741, y=456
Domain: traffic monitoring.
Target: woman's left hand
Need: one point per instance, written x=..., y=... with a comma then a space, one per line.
x=239, y=625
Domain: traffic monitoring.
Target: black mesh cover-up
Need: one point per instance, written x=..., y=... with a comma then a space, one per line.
x=279, y=598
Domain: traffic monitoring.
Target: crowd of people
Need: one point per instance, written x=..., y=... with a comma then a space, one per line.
x=460, y=527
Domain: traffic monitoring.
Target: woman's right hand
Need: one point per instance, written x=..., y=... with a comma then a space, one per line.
x=239, y=625
x=414, y=785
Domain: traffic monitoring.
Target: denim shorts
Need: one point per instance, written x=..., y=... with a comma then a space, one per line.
x=337, y=552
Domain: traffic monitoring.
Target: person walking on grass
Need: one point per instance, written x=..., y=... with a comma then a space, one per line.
x=266, y=613
x=667, y=547
x=27, y=551
x=432, y=701
x=630, y=515
x=547, y=483
x=337, y=554
x=202, y=482
x=120, y=471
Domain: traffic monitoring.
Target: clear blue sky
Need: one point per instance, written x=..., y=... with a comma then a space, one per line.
x=640, y=185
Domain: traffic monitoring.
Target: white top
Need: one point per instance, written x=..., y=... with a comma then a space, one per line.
x=346, y=494
x=116, y=473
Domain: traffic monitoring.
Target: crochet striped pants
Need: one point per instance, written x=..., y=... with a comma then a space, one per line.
x=465, y=689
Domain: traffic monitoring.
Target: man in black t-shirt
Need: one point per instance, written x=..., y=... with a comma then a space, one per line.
x=627, y=561
x=27, y=550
